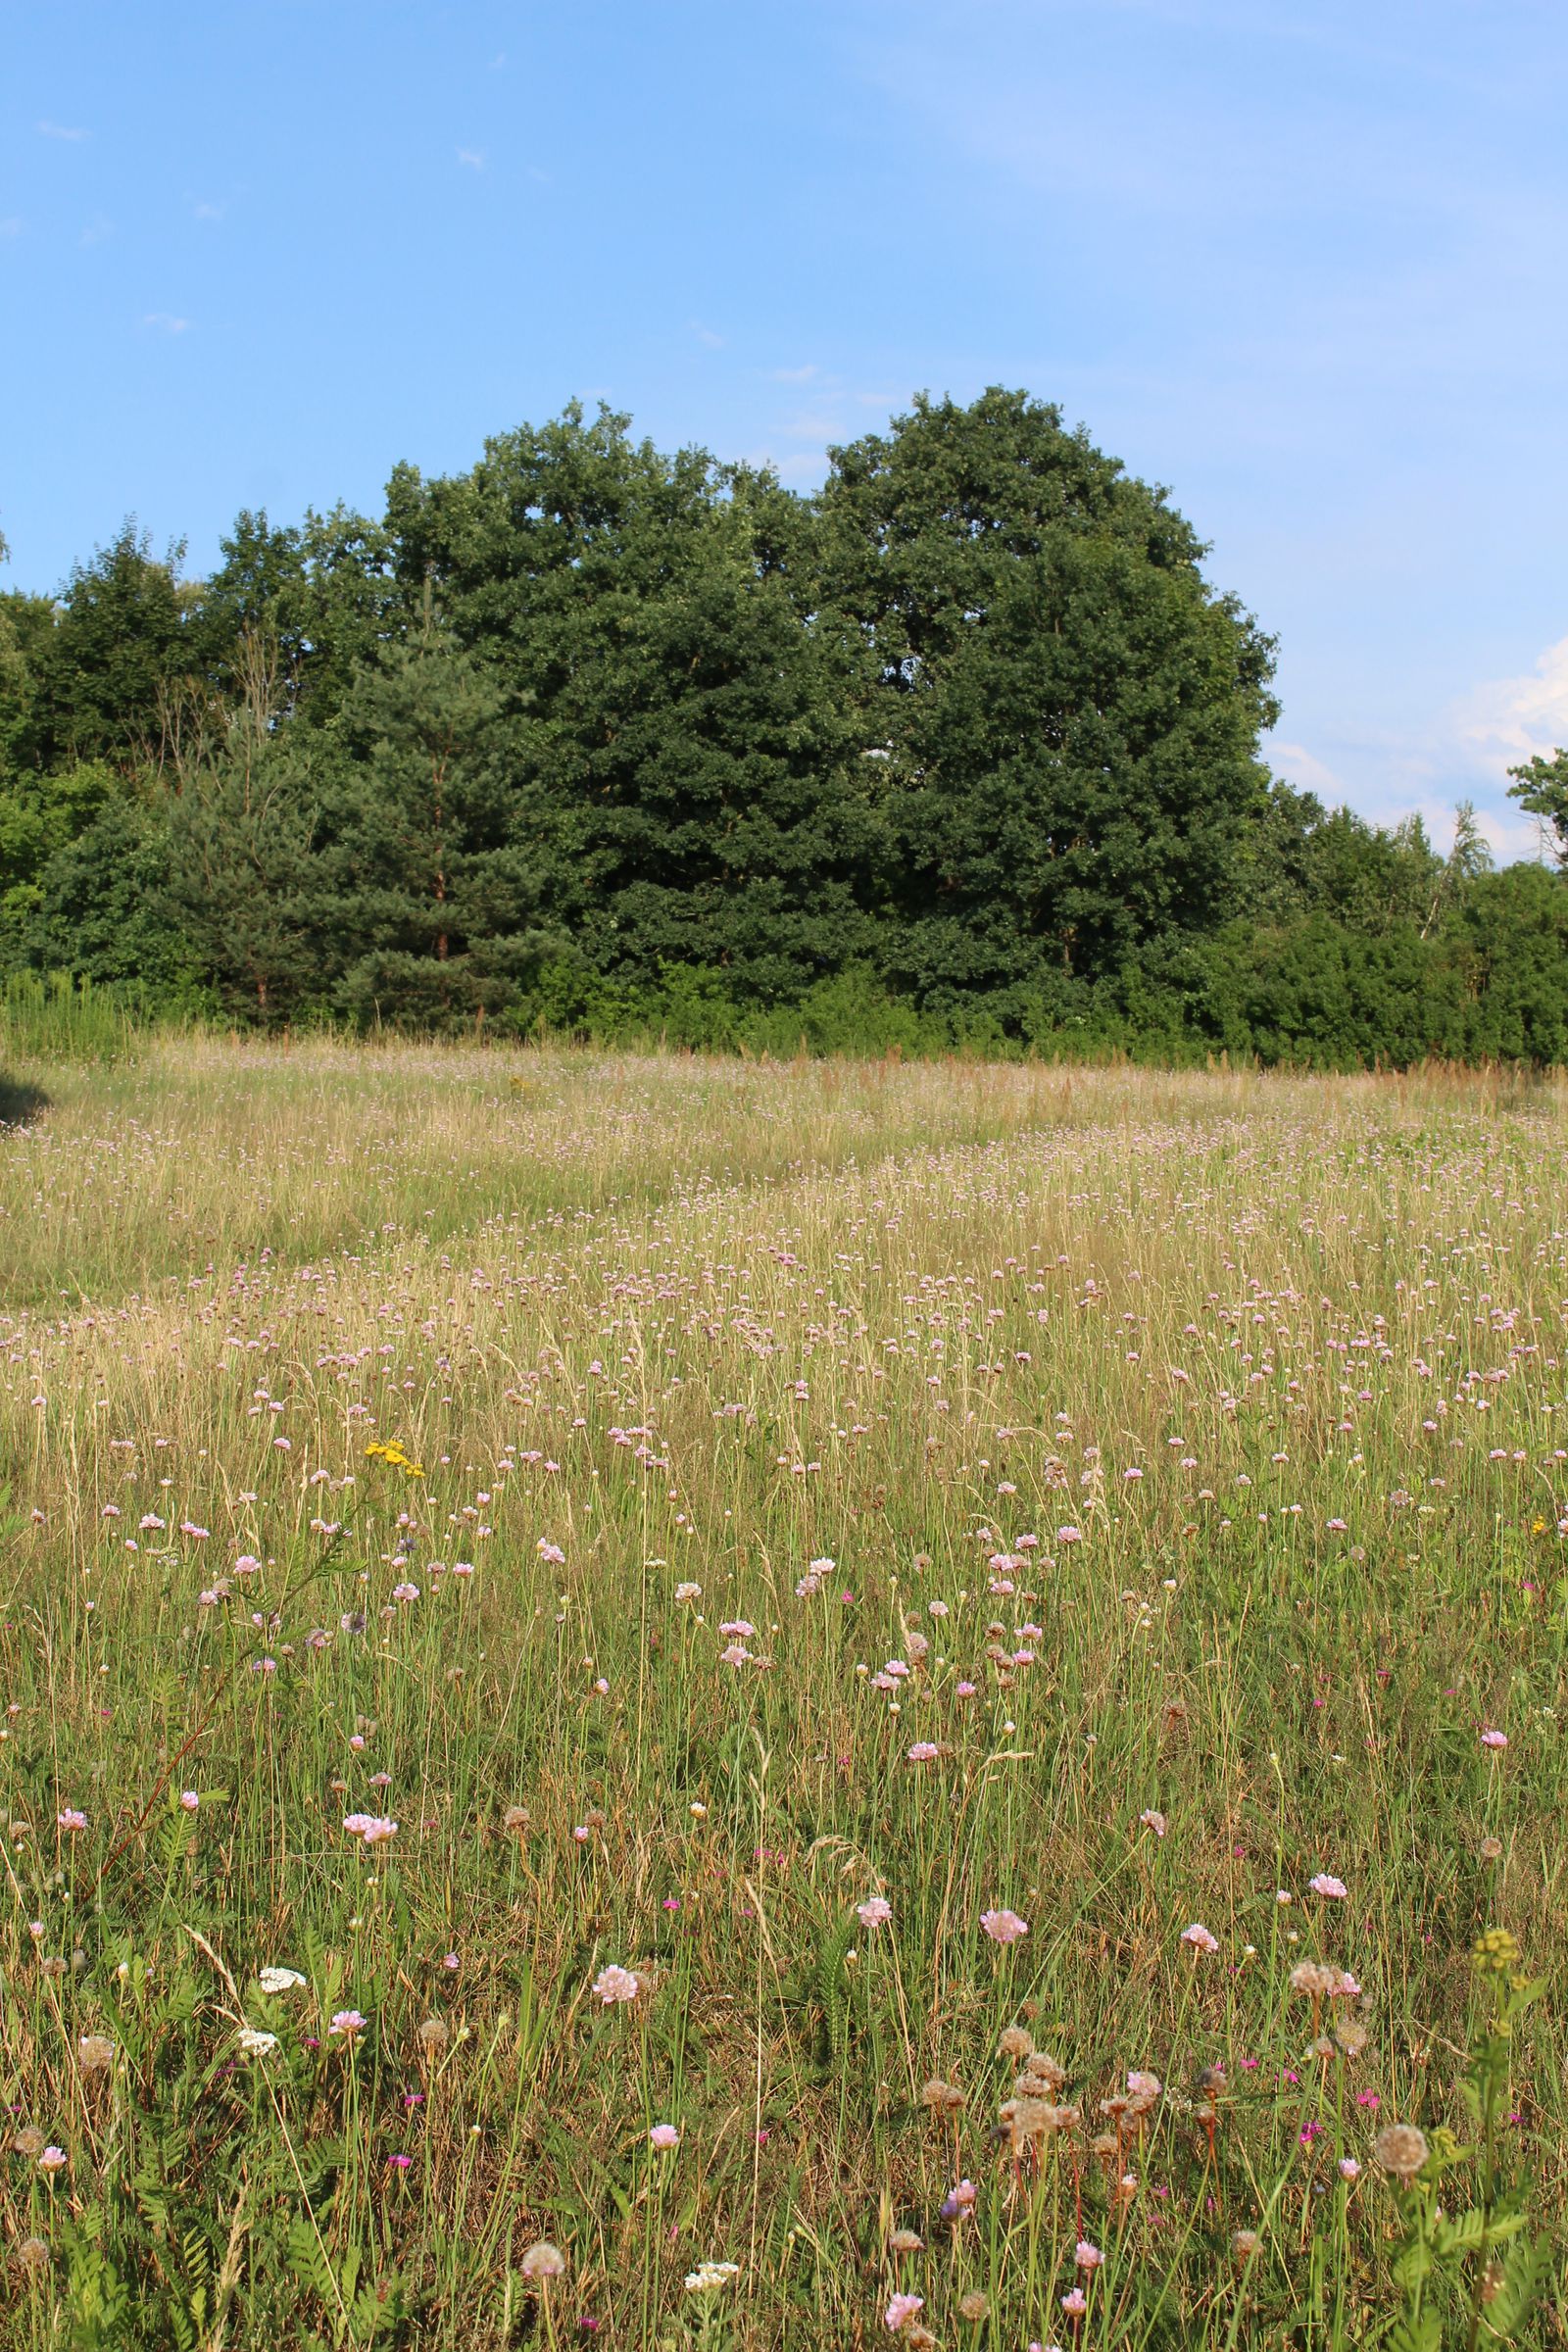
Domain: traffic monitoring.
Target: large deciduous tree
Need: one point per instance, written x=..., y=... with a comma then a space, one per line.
x=681, y=756
x=1065, y=714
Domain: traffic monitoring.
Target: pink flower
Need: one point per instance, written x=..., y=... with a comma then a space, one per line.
x=1069, y=1535
x=372, y=1828
x=1004, y=1927
x=1199, y=1937
x=1076, y=2302
x=615, y=1984
x=189, y=1800
x=964, y=1691
x=53, y=2160
x=1088, y=2255
x=71, y=1820
x=875, y=1912
x=1490, y=1739
x=1332, y=1890
x=1152, y=1821
x=924, y=1752
x=346, y=2023
x=900, y=2310
x=1349, y=2170
x=664, y=2135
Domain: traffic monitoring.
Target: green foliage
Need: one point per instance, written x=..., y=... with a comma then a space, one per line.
x=959, y=755
x=1064, y=714
x=1542, y=786
x=55, y=1017
x=1481, y=2261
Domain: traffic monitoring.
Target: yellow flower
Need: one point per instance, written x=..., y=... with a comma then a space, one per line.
x=1496, y=1952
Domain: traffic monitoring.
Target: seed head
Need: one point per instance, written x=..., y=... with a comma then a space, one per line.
x=1401, y=2149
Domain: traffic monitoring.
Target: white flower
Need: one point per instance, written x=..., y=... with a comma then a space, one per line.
x=254, y=2044
x=710, y=2275
x=279, y=1979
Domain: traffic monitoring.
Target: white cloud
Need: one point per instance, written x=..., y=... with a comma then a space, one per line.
x=473, y=157
x=58, y=130
x=795, y=375
x=706, y=335
x=208, y=212
x=1306, y=771
x=1507, y=720
x=166, y=324
x=806, y=467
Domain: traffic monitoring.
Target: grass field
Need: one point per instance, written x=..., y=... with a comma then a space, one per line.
x=619, y=1667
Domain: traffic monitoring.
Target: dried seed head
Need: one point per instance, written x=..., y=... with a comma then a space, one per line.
x=1245, y=2245
x=543, y=2261
x=1044, y=2069
x=943, y=2099
x=1401, y=2149
x=907, y=2241
x=972, y=2306
x=34, y=2254
x=95, y=2053
x=1016, y=2042
x=30, y=2141
x=1351, y=2035
x=433, y=2035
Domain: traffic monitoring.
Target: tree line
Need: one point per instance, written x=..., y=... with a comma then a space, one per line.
x=960, y=752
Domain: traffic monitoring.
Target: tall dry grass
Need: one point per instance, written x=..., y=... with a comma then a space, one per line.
x=1107, y=1498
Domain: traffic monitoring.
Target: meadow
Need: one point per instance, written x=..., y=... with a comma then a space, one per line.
x=685, y=1702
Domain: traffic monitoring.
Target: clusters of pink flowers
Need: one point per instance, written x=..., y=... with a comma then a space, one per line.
x=374, y=1828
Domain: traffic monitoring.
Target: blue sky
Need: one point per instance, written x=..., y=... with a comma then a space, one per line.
x=1304, y=260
